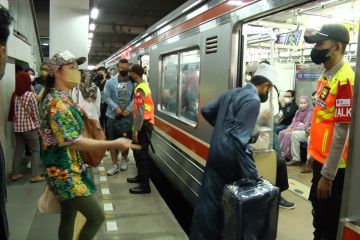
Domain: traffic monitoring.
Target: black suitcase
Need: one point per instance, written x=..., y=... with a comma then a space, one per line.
x=250, y=210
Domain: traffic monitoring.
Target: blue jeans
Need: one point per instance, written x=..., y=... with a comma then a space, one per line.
x=279, y=128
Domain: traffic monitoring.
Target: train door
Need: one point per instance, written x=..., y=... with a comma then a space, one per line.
x=279, y=40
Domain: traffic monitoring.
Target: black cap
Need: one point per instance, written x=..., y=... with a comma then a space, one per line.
x=336, y=32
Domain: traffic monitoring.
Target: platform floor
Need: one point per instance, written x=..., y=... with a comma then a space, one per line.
x=128, y=216
x=133, y=217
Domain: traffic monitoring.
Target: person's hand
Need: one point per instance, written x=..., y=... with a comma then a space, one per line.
x=118, y=111
x=307, y=131
x=324, y=188
x=309, y=163
x=126, y=112
x=135, y=137
x=32, y=89
x=289, y=129
x=125, y=144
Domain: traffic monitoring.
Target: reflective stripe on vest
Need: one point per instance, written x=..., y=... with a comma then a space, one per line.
x=148, y=102
x=323, y=119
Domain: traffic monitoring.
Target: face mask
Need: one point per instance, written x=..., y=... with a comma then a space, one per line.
x=124, y=72
x=131, y=79
x=303, y=105
x=98, y=77
x=73, y=78
x=247, y=78
x=32, y=78
x=264, y=98
x=44, y=73
x=319, y=56
x=288, y=100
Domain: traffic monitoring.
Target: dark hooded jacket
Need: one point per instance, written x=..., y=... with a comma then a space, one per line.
x=233, y=115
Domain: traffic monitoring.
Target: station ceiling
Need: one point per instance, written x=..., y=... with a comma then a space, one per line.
x=119, y=21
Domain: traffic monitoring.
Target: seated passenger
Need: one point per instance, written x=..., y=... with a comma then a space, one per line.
x=287, y=112
x=300, y=123
x=190, y=110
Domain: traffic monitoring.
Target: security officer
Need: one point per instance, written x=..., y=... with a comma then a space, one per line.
x=329, y=127
x=143, y=126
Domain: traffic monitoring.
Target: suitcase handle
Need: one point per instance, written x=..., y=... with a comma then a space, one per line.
x=249, y=181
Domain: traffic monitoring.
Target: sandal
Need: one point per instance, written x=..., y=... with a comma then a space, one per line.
x=37, y=179
x=16, y=177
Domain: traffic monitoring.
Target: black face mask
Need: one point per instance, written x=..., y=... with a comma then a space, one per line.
x=131, y=79
x=124, y=73
x=98, y=77
x=320, y=56
x=264, y=98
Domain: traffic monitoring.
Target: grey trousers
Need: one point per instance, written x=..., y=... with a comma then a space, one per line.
x=31, y=138
x=296, y=138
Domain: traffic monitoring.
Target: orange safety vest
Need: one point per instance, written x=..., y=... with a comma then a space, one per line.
x=147, y=102
x=333, y=105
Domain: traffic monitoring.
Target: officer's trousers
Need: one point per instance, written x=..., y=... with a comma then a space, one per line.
x=326, y=212
x=142, y=157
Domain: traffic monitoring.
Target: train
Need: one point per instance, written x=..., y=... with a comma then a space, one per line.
x=204, y=48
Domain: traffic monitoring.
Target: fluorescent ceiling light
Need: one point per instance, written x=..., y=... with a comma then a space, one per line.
x=92, y=26
x=45, y=44
x=94, y=13
x=91, y=35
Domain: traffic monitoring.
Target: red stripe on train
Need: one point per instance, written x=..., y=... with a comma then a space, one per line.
x=350, y=234
x=195, y=146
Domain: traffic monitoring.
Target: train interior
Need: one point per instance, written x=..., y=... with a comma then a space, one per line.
x=279, y=38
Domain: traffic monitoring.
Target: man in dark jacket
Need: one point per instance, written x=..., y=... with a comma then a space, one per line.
x=233, y=115
x=5, y=21
x=287, y=112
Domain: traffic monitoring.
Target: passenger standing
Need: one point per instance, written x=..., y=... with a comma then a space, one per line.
x=143, y=127
x=118, y=93
x=233, y=115
x=287, y=112
x=62, y=129
x=24, y=113
x=87, y=95
x=101, y=77
x=5, y=21
x=39, y=82
x=329, y=127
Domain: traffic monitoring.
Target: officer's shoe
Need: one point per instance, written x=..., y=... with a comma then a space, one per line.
x=141, y=189
x=134, y=180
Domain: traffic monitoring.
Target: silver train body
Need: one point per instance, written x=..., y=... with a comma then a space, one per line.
x=213, y=28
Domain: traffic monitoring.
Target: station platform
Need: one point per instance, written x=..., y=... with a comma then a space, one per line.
x=127, y=216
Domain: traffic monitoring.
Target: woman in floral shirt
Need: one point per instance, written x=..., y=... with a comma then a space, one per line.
x=62, y=127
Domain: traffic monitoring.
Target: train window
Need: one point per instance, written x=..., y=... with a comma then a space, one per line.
x=169, y=83
x=180, y=85
x=189, y=82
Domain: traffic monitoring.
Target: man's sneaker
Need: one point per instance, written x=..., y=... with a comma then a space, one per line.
x=286, y=204
x=113, y=170
x=123, y=164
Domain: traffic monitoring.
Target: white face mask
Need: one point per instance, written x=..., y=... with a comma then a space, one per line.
x=288, y=100
x=32, y=77
x=247, y=78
